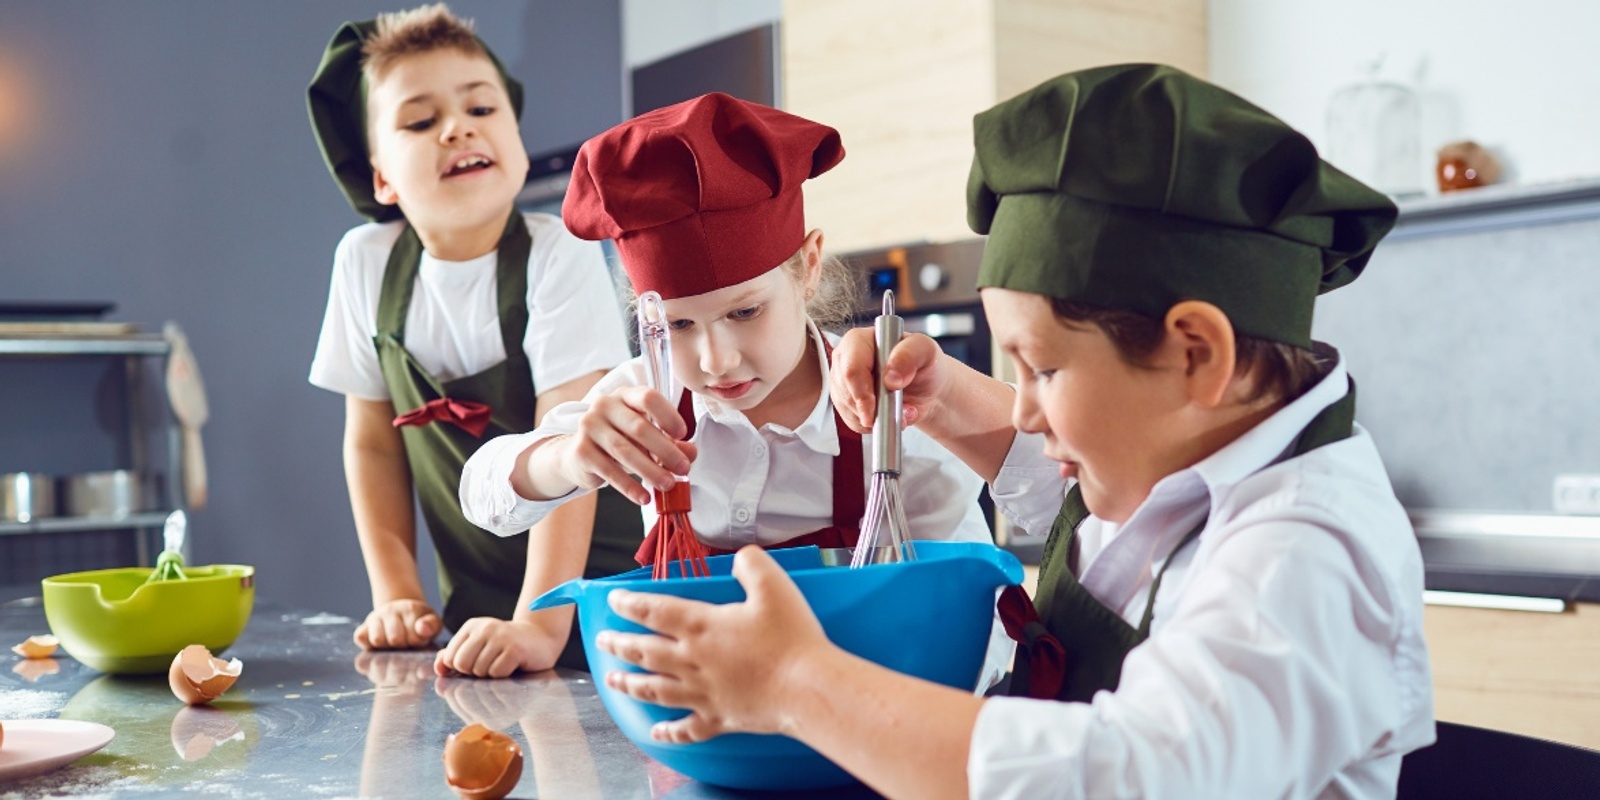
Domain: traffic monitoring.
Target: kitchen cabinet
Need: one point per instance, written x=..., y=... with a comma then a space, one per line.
x=904, y=104
x=1525, y=672
x=131, y=352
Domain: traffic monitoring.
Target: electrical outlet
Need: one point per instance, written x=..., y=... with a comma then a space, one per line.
x=1577, y=494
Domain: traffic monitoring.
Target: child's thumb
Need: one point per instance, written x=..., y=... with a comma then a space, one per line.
x=427, y=625
x=761, y=576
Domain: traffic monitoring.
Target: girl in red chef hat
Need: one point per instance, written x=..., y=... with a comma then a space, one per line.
x=704, y=201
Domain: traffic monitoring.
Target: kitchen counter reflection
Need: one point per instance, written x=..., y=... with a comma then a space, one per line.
x=312, y=716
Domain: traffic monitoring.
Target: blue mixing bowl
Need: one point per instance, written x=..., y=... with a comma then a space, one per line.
x=929, y=618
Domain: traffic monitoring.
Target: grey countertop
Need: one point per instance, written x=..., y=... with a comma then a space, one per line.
x=312, y=716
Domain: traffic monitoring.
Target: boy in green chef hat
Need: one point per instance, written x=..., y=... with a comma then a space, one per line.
x=1230, y=600
x=453, y=317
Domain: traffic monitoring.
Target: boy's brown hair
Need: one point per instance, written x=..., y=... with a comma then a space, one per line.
x=424, y=29
x=1279, y=372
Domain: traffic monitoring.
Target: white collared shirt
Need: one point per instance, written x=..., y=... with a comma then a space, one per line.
x=752, y=486
x=1286, y=657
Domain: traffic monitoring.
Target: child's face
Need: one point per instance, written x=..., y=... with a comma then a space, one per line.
x=1111, y=424
x=742, y=344
x=445, y=142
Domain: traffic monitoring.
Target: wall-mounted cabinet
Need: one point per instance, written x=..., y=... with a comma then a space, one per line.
x=904, y=104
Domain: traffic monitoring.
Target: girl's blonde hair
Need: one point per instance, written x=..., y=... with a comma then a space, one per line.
x=833, y=306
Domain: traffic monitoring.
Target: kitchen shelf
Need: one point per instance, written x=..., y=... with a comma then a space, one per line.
x=148, y=519
x=133, y=344
x=1492, y=207
x=92, y=340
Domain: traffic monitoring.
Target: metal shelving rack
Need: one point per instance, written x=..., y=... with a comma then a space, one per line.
x=132, y=349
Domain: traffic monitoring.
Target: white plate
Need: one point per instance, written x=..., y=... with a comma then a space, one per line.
x=34, y=746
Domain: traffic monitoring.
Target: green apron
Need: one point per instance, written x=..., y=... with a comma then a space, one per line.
x=480, y=574
x=1093, y=639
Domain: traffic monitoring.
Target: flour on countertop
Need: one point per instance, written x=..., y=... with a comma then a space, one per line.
x=30, y=703
x=325, y=619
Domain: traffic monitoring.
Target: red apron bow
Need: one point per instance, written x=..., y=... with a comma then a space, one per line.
x=464, y=414
x=1047, y=659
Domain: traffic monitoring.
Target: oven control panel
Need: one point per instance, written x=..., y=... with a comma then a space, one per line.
x=922, y=276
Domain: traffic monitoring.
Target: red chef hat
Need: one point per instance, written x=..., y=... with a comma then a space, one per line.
x=700, y=195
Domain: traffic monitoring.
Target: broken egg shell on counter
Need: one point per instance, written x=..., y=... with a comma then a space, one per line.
x=482, y=764
x=197, y=677
x=37, y=647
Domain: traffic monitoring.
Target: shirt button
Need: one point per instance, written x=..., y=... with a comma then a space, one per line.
x=760, y=450
x=742, y=515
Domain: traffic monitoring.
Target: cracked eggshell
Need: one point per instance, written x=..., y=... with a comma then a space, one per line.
x=482, y=764
x=37, y=647
x=197, y=677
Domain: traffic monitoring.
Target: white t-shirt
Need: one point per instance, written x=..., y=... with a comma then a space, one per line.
x=453, y=326
x=1286, y=657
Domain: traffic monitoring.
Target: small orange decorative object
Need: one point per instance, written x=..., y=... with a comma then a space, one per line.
x=37, y=647
x=198, y=677
x=482, y=764
x=1466, y=165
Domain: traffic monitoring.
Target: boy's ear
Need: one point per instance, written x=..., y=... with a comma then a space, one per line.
x=1205, y=335
x=382, y=191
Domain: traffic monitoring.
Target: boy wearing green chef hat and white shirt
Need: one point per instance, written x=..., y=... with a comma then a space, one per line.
x=1230, y=600
x=450, y=320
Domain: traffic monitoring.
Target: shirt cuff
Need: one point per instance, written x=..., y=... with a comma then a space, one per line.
x=1029, y=488
x=487, y=497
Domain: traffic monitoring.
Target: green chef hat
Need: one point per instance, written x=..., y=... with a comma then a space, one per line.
x=1137, y=186
x=338, y=102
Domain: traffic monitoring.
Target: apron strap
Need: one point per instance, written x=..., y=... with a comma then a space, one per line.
x=1042, y=658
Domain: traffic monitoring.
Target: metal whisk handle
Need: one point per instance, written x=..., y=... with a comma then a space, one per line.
x=886, y=427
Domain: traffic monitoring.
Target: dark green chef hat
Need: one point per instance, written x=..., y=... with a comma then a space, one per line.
x=338, y=102
x=1138, y=186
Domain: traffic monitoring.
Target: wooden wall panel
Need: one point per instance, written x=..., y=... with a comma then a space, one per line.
x=1039, y=39
x=901, y=80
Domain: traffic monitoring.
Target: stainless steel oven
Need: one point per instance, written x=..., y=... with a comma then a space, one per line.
x=935, y=289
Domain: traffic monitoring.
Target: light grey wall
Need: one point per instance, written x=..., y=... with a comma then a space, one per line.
x=168, y=166
x=1477, y=359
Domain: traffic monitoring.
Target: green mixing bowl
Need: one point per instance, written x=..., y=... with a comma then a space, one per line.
x=113, y=621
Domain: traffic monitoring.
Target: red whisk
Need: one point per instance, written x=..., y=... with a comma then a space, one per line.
x=674, y=535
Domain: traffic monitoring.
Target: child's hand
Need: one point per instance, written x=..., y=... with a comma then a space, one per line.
x=913, y=367
x=731, y=665
x=398, y=625
x=401, y=673
x=634, y=431
x=487, y=647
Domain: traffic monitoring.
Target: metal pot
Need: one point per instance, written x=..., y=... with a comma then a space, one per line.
x=27, y=496
x=113, y=493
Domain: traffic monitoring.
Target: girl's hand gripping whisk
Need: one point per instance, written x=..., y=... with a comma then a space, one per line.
x=674, y=537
